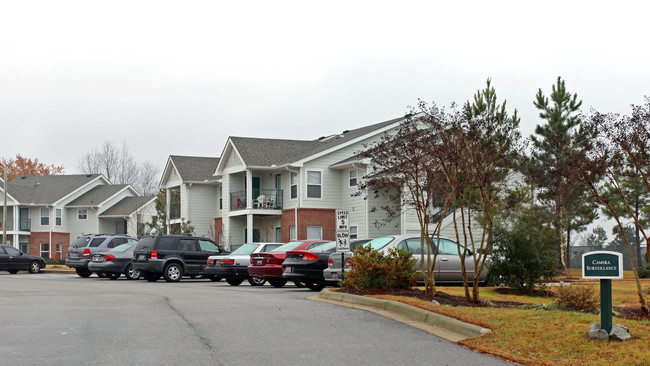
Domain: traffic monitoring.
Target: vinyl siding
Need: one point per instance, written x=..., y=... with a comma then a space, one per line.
x=203, y=205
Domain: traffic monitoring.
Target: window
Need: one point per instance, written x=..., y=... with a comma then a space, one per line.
x=353, y=177
x=278, y=234
x=59, y=250
x=314, y=232
x=45, y=216
x=186, y=245
x=24, y=247
x=292, y=233
x=313, y=184
x=294, y=185
x=82, y=215
x=12, y=251
x=220, y=198
x=208, y=246
x=57, y=218
x=45, y=250
x=353, y=232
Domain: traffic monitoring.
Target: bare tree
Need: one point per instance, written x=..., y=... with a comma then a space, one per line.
x=118, y=166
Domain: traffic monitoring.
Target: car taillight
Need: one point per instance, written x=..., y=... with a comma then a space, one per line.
x=309, y=257
x=227, y=262
x=86, y=253
x=273, y=260
x=109, y=257
x=330, y=263
x=154, y=254
x=209, y=261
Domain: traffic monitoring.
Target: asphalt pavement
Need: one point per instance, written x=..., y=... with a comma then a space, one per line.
x=62, y=319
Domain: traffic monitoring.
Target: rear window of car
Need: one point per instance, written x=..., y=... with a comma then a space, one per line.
x=81, y=241
x=287, y=247
x=121, y=248
x=145, y=243
x=270, y=247
x=245, y=249
x=324, y=247
x=96, y=242
x=379, y=243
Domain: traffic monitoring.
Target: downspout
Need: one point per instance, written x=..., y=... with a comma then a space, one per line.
x=187, y=201
x=295, y=209
x=51, y=222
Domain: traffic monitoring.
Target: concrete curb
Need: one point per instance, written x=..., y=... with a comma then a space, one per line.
x=58, y=270
x=466, y=330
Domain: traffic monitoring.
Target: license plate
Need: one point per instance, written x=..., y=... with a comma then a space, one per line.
x=288, y=269
x=97, y=258
x=141, y=257
x=73, y=255
x=259, y=262
x=335, y=276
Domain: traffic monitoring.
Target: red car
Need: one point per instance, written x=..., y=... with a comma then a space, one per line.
x=269, y=265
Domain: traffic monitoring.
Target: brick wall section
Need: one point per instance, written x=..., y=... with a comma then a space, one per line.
x=36, y=239
x=324, y=217
x=218, y=228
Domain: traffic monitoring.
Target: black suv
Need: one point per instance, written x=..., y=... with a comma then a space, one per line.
x=82, y=249
x=173, y=256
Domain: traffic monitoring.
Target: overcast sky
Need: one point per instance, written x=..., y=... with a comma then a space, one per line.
x=179, y=77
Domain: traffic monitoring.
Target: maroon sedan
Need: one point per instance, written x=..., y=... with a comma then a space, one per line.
x=269, y=265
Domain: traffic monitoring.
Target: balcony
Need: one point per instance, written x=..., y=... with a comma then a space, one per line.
x=266, y=199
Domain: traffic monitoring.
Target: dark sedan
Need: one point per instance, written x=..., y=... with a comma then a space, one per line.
x=115, y=262
x=13, y=260
x=307, y=265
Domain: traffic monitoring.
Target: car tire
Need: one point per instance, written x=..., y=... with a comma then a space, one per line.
x=234, y=281
x=13, y=271
x=173, y=272
x=256, y=281
x=113, y=276
x=278, y=282
x=315, y=286
x=34, y=267
x=82, y=272
x=214, y=278
x=151, y=277
x=131, y=273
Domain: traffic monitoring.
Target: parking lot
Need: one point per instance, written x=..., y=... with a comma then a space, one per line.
x=62, y=319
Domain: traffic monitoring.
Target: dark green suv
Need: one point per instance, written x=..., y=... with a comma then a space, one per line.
x=173, y=256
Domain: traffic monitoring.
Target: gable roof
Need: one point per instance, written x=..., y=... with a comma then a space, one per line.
x=127, y=206
x=266, y=152
x=195, y=168
x=48, y=189
x=97, y=195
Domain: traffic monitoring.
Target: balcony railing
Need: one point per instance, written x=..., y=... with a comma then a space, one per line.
x=266, y=199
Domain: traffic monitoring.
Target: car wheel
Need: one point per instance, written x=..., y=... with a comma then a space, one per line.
x=13, y=271
x=173, y=272
x=151, y=277
x=113, y=276
x=234, y=281
x=315, y=286
x=278, y=283
x=299, y=284
x=82, y=272
x=34, y=267
x=256, y=281
x=131, y=273
x=214, y=278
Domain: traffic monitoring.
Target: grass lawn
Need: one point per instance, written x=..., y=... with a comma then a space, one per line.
x=541, y=337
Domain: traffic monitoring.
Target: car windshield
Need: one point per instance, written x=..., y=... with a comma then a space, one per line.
x=80, y=242
x=379, y=243
x=324, y=247
x=245, y=249
x=287, y=247
x=122, y=248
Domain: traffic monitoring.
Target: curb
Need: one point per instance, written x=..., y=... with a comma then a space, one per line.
x=57, y=270
x=466, y=330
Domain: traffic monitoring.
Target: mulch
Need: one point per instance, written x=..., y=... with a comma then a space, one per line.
x=633, y=312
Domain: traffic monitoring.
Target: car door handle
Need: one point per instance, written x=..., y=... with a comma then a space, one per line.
x=444, y=259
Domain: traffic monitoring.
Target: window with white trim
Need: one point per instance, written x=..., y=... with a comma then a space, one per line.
x=353, y=177
x=82, y=214
x=57, y=217
x=292, y=233
x=45, y=216
x=45, y=250
x=314, y=232
x=294, y=185
x=314, y=184
x=354, y=232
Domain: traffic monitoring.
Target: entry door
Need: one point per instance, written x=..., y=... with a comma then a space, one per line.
x=256, y=236
x=256, y=186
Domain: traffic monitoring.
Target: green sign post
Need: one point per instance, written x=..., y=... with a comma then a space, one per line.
x=603, y=265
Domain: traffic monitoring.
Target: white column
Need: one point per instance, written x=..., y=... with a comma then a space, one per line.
x=249, y=205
